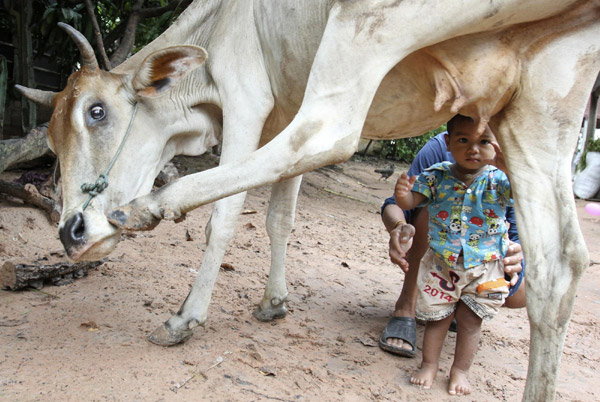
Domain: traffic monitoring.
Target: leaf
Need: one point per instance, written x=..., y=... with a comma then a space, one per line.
x=267, y=371
x=367, y=341
x=227, y=267
x=91, y=326
x=47, y=12
x=66, y=13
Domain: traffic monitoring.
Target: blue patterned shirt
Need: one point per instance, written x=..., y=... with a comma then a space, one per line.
x=468, y=220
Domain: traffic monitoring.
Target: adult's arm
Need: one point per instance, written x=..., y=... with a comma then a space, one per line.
x=401, y=234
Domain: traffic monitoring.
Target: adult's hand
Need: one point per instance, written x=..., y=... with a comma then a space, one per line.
x=512, y=262
x=401, y=239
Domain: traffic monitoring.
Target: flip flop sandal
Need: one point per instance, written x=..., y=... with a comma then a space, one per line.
x=404, y=328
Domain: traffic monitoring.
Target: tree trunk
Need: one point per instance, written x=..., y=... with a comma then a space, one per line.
x=23, y=66
x=3, y=86
x=97, y=34
x=128, y=39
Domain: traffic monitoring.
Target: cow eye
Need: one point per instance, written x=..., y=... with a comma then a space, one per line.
x=97, y=112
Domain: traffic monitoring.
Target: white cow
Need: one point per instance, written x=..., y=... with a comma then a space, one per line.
x=292, y=84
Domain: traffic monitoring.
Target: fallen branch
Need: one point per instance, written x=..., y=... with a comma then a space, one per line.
x=13, y=323
x=30, y=147
x=347, y=196
x=276, y=398
x=30, y=195
x=202, y=373
x=18, y=276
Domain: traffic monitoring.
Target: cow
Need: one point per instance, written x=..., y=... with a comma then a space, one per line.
x=290, y=86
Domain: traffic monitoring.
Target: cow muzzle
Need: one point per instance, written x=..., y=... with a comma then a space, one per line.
x=88, y=236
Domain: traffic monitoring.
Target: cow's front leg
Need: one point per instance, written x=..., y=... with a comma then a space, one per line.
x=280, y=220
x=219, y=231
x=144, y=215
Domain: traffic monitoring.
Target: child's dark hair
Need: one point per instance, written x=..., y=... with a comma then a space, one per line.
x=456, y=119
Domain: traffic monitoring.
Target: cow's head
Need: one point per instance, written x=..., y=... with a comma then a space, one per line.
x=90, y=119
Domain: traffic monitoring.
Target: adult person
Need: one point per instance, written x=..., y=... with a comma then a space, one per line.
x=407, y=245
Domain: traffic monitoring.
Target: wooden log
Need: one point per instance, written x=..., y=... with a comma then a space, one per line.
x=32, y=146
x=18, y=276
x=30, y=195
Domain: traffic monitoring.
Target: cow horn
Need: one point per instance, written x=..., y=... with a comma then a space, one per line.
x=37, y=95
x=88, y=57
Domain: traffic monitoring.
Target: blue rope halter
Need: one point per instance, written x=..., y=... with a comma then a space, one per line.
x=102, y=182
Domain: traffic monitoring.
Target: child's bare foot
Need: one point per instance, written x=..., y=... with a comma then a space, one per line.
x=424, y=377
x=459, y=382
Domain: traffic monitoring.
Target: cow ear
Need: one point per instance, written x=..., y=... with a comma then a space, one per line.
x=162, y=69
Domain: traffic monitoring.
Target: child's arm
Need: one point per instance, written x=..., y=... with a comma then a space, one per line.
x=405, y=198
x=498, y=159
x=499, y=162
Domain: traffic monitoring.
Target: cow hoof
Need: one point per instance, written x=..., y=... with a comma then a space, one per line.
x=164, y=336
x=270, y=314
x=129, y=218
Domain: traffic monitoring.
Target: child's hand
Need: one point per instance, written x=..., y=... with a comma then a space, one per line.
x=498, y=160
x=405, y=198
x=404, y=185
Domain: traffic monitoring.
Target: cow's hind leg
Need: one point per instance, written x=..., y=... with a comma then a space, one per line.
x=554, y=249
x=538, y=133
x=555, y=253
x=280, y=220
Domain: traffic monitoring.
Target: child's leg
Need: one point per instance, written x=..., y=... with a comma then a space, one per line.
x=467, y=343
x=433, y=340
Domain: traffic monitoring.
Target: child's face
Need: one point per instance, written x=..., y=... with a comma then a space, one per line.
x=469, y=149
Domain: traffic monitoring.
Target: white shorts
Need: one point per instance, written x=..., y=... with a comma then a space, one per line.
x=441, y=287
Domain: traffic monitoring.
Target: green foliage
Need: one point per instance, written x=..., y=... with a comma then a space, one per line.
x=149, y=29
x=405, y=149
x=112, y=17
x=49, y=39
x=55, y=54
x=591, y=146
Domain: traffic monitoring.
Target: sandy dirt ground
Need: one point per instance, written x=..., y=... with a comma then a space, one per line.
x=86, y=341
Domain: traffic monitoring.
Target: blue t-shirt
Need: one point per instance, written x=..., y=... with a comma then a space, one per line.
x=467, y=220
x=436, y=151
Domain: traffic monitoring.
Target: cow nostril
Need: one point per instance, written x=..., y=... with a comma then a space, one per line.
x=78, y=230
x=73, y=232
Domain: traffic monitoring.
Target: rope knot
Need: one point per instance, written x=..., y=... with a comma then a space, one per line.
x=95, y=188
